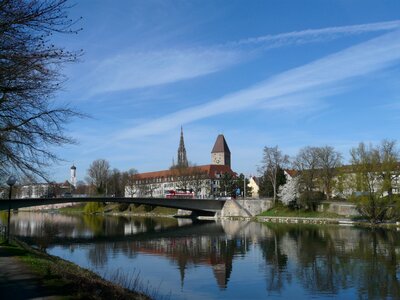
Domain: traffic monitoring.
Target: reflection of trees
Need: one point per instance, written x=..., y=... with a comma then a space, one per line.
x=319, y=263
x=98, y=254
x=94, y=223
x=329, y=259
x=47, y=231
x=376, y=269
x=276, y=261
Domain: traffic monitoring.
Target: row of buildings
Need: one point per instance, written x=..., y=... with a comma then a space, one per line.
x=48, y=190
x=201, y=181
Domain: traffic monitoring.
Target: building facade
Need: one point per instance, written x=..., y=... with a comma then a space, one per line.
x=48, y=189
x=203, y=181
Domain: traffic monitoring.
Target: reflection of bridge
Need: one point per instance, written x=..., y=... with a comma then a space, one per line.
x=202, y=228
x=202, y=206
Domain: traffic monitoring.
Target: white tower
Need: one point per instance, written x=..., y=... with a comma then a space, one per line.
x=73, y=176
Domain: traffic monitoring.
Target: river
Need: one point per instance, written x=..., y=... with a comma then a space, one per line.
x=181, y=259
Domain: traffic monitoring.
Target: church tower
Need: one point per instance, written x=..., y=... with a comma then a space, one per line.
x=220, y=154
x=182, y=159
x=73, y=176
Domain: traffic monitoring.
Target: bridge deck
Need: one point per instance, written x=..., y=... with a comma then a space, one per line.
x=206, y=205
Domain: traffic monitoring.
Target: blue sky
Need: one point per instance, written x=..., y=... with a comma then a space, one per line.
x=263, y=73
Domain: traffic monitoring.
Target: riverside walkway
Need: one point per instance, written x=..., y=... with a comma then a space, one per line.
x=17, y=281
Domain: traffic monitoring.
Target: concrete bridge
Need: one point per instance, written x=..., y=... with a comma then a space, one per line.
x=200, y=206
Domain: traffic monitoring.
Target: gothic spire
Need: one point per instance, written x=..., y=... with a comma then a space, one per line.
x=182, y=159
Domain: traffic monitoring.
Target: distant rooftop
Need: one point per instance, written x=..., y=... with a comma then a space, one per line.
x=220, y=145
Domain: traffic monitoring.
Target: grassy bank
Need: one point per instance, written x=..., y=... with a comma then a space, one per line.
x=283, y=211
x=66, y=279
x=124, y=209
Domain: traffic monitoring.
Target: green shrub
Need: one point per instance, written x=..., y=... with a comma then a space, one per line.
x=93, y=207
x=148, y=208
x=123, y=206
x=310, y=199
x=375, y=208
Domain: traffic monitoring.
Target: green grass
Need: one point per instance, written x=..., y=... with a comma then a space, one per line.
x=164, y=210
x=73, y=209
x=114, y=207
x=65, y=279
x=283, y=211
x=142, y=209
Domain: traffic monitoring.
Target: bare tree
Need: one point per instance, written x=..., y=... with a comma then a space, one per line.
x=115, y=184
x=273, y=160
x=328, y=163
x=131, y=187
x=98, y=174
x=200, y=182
x=183, y=177
x=30, y=122
x=306, y=163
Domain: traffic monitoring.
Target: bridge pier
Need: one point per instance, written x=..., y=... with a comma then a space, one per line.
x=245, y=208
x=182, y=213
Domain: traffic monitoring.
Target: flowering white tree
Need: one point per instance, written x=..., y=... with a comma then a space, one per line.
x=289, y=192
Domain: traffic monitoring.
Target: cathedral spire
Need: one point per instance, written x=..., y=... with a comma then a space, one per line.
x=182, y=159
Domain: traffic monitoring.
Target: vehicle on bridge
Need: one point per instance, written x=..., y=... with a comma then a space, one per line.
x=180, y=194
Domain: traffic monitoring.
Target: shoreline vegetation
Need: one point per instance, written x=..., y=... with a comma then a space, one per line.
x=277, y=214
x=66, y=280
x=120, y=210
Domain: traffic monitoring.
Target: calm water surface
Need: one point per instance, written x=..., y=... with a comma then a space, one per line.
x=225, y=260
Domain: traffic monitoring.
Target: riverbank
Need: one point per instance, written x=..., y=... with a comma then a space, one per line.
x=277, y=214
x=124, y=210
x=28, y=273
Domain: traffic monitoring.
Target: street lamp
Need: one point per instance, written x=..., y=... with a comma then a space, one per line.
x=10, y=181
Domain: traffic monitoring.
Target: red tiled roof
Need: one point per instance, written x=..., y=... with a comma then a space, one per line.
x=210, y=170
x=291, y=173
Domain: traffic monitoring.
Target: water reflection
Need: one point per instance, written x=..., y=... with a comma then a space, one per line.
x=246, y=259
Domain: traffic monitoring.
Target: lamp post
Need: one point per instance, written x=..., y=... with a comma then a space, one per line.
x=244, y=186
x=10, y=181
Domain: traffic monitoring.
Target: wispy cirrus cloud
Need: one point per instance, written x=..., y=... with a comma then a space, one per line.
x=139, y=69
x=329, y=71
x=144, y=69
x=312, y=35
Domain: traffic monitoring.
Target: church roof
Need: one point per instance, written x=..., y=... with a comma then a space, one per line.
x=220, y=145
x=210, y=170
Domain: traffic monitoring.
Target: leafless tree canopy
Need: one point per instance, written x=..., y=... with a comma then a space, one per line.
x=273, y=159
x=307, y=163
x=98, y=175
x=30, y=122
x=329, y=161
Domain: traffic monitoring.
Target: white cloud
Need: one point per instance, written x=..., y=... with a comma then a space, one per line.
x=309, y=35
x=144, y=69
x=329, y=71
x=132, y=70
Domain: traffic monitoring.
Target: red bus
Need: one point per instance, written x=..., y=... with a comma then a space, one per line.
x=179, y=194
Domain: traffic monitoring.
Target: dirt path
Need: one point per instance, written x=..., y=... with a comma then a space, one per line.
x=17, y=281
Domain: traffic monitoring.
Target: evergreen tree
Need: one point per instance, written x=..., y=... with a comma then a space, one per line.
x=266, y=188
